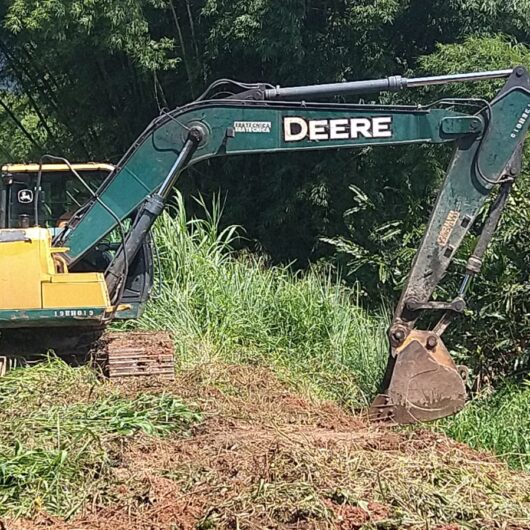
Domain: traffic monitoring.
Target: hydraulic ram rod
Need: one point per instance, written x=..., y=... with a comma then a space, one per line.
x=393, y=83
x=148, y=214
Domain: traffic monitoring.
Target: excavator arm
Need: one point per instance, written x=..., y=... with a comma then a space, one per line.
x=216, y=128
x=422, y=382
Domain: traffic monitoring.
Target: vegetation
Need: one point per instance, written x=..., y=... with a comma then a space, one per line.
x=312, y=331
x=70, y=441
x=309, y=326
x=60, y=432
x=114, y=455
x=497, y=422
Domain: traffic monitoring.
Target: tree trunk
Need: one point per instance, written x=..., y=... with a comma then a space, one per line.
x=159, y=90
x=185, y=58
x=194, y=40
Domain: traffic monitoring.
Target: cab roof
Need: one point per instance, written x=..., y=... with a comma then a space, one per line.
x=34, y=168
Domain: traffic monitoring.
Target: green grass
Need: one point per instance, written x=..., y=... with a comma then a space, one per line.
x=499, y=423
x=308, y=327
x=59, y=428
x=62, y=430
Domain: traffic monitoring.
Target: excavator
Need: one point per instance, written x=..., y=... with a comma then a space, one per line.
x=76, y=251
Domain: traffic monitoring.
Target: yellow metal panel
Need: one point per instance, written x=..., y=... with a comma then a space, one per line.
x=46, y=259
x=74, y=294
x=78, y=277
x=20, y=272
x=28, y=279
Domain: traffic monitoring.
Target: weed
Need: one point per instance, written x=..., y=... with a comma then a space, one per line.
x=59, y=428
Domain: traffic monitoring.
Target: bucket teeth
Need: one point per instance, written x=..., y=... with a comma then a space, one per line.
x=424, y=383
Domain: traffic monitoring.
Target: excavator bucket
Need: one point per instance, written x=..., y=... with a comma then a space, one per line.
x=422, y=383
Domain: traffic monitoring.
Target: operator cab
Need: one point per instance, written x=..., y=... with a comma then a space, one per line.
x=61, y=192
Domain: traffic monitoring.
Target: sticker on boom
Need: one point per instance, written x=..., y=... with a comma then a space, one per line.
x=252, y=126
x=296, y=129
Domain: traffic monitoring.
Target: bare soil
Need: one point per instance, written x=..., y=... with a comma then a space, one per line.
x=267, y=458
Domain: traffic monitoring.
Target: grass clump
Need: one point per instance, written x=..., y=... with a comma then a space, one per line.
x=59, y=427
x=499, y=422
x=307, y=326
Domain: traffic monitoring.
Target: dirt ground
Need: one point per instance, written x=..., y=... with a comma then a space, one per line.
x=265, y=457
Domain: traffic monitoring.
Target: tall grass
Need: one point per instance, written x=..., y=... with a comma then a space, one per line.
x=307, y=326
x=499, y=422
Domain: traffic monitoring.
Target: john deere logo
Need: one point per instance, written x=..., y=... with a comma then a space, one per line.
x=25, y=196
x=296, y=129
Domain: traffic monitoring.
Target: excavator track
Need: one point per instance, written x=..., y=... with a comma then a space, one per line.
x=134, y=354
x=114, y=354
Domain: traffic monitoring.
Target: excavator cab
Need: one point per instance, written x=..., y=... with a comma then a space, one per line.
x=59, y=195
